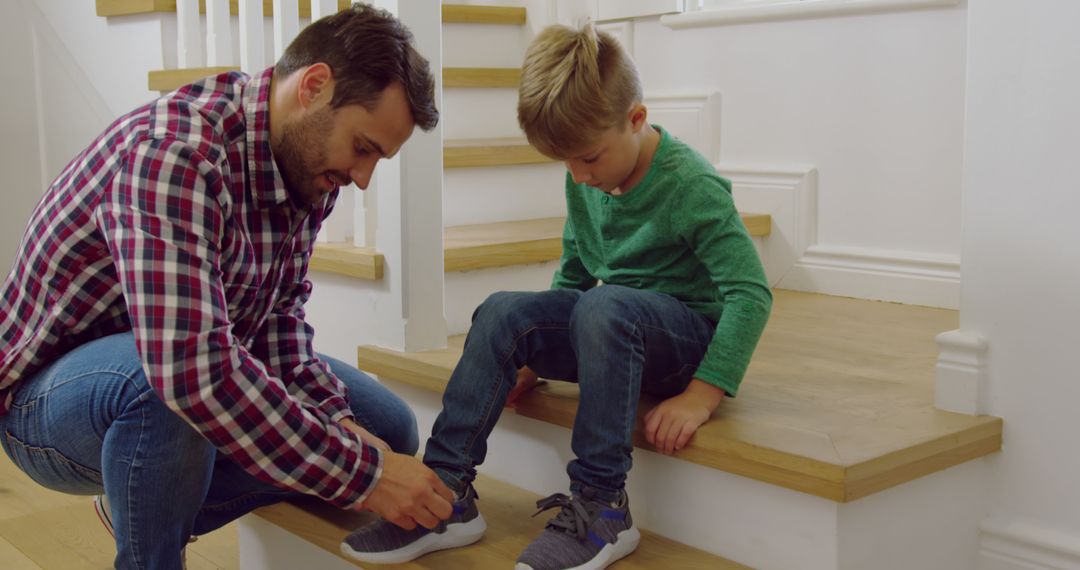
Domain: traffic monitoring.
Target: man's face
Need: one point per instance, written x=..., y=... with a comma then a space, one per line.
x=608, y=162
x=325, y=148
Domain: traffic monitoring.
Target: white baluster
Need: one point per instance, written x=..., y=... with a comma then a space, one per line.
x=218, y=34
x=189, y=52
x=252, y=46
x=410, y=213
x=286, y=25
x=322, y=8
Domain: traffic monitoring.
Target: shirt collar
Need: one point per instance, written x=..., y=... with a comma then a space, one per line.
x=267, y=185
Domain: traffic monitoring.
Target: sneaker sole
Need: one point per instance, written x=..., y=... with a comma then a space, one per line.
x=625, y=543
x=456, y=535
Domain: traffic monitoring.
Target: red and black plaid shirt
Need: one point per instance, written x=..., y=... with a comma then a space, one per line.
x=175, y=224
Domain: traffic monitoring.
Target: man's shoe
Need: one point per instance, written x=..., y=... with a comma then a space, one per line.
x=587, y=534
x=383, y=542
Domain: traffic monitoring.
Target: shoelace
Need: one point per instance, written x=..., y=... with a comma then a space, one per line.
x=573, y=518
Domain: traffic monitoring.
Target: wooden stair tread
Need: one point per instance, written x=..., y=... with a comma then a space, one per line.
x=472, y=153
x=838, y=401
x=510, y=527
x=479, y=246
x=481, y=76
x=169, y=79
x=470, y=14
x=451, y=13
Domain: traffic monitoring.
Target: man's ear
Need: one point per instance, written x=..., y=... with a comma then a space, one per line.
x=316, y=82
x=638, y=116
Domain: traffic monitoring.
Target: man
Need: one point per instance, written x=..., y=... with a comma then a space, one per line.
x=153, y=343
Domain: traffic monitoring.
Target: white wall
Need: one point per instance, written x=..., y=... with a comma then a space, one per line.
x=874, y=102
x=1021, y=271
x=19, y=146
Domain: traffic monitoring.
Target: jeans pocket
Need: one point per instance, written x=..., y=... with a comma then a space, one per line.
x=51, y=469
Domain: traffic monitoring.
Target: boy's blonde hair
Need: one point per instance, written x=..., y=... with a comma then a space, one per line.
x=575, y=84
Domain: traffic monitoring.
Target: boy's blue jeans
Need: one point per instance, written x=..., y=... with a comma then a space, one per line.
x=614, y=341
x=89, y=422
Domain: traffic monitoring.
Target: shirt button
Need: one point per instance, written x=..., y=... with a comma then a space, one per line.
x=607, y=199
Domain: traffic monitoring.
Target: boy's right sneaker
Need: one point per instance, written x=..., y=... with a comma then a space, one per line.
x=383, y=542
x=587, y=534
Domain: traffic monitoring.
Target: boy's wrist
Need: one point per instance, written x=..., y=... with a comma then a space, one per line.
x=708, y=394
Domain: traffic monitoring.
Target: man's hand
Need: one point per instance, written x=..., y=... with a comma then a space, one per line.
x=409, y=494
x=526, y=380
x=670, y=425
x=365, y=435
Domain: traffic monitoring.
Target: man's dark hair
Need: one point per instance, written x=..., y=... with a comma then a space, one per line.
x=366, y=48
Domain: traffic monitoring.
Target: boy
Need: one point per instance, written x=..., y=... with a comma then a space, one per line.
x=682, y=306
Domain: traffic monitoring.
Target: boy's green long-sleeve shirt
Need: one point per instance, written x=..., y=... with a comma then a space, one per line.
x=676, y=232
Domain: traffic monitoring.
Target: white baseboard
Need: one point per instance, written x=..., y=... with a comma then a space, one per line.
x=960, y=382
x=1026, y=546
x=913, y=278
x=789, y=195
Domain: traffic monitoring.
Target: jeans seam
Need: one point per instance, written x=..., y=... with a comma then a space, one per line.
x=471, y=440
x=53, y=452
x=37, y=398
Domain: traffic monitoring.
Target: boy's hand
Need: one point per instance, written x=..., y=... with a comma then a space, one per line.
x=365, y=435
x=408, y=493
x=670, y=425
x=526, y=380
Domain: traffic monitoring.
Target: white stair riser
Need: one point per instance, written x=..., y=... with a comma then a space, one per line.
x=470, y=45
x=466, y=290
x=480, y=113
x=928, y=523
x=503, y=193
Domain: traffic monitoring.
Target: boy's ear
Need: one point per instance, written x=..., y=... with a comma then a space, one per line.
x=315, y=80
x=638, y=116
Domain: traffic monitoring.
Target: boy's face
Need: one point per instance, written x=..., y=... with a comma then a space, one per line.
x=612, y=159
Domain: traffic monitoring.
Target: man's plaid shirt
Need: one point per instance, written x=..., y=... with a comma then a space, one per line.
x=176, y=224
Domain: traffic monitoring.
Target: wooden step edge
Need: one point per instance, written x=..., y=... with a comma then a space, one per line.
x=478, y=77
x=507, y=509
x=469, y=14
x=166, y=80
x=470, y=258
x=821, y=471
x=348, y=260
x=463, y=154
x=111, y=8
x=169, y=79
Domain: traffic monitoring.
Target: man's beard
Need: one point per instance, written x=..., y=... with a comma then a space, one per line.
x=302, y=150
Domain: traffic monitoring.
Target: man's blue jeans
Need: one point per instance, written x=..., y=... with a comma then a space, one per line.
x=89, y=423
x=615, y=342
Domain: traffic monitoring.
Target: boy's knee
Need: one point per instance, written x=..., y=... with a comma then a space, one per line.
x=406, y=436
x=605, y=305
x=498, y=307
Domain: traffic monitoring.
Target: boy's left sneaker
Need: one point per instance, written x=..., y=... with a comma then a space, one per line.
x=587, y=534
x=383, y=542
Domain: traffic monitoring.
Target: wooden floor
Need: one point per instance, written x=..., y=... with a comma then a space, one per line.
x=44, y=530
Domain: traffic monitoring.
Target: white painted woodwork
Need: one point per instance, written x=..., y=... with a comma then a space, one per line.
x=409, y=232
x=189, y=51
x=322, y=8
x=1021, y=252
x=218, y=34
x=252, y=37
x=286, y=25
x=960, y=384
x=723, y=13
x=623, y=9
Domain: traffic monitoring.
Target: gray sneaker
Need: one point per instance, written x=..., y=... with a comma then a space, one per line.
x=383, y=542
x=587, y=534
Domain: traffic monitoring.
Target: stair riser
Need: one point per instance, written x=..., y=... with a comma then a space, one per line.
x=466, y=45
x=747, y=521
x=465, y=291
x=503, y=193
x=480, y=113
